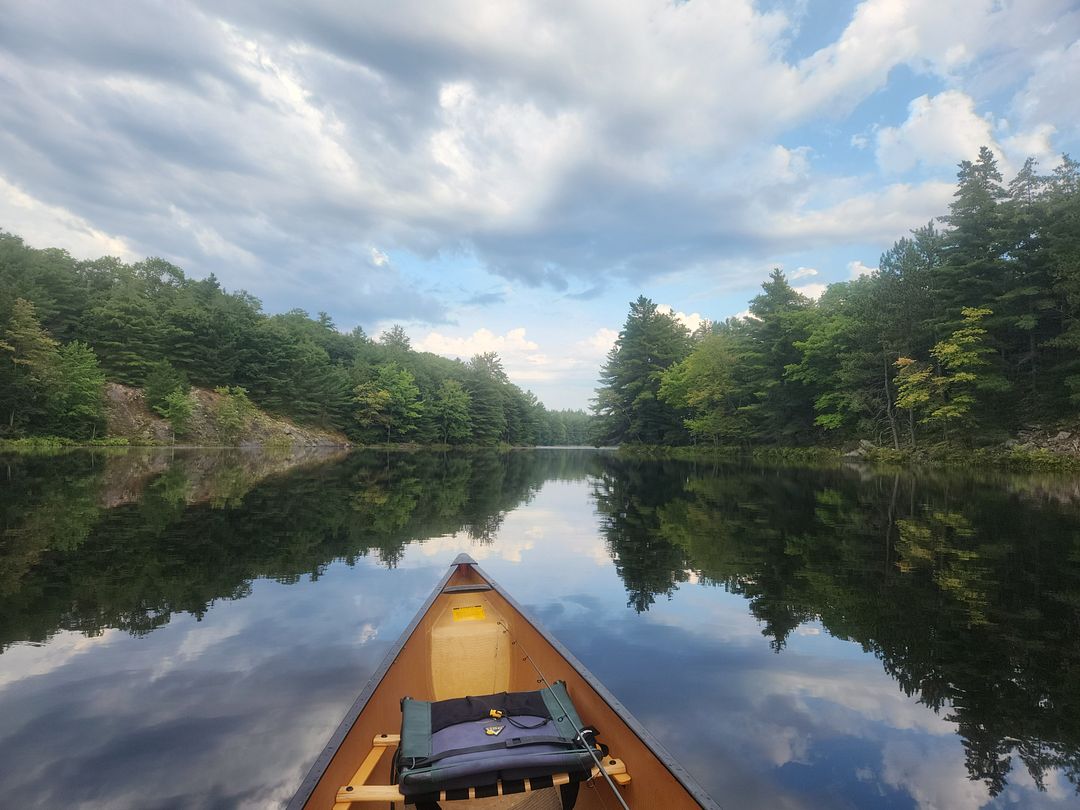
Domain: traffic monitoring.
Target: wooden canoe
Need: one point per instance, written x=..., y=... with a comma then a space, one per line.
x=437, y=658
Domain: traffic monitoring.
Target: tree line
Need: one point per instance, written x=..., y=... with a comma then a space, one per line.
x=67, y=326
x=968, y=329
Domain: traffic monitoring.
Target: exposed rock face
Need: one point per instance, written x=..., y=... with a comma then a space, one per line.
x=129, y=416
x=1061, y=439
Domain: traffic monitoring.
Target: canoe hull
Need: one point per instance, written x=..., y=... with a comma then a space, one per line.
x=418, y=666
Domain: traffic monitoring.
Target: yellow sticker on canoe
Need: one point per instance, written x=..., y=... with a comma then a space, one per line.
x=469, y=613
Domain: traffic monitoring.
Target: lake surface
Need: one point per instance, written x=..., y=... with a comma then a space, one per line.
x=185, y=629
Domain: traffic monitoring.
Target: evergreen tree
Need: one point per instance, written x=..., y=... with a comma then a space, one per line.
x=484, y=385
x=177, y=409
x=628, y=403
x=233, y=412
x=125, y=332
x=161, y=380
x=29, y=368
x=783, y=410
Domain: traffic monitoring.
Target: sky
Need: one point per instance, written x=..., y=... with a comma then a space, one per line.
x=508, y=176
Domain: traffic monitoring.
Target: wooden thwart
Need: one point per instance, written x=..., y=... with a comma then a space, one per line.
x=357, y=791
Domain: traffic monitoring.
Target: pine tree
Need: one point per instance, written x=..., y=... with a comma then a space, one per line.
x=628, y=402
x=484, y=385
x=783, y=410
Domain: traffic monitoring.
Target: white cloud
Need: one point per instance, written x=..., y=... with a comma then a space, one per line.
x=45, y=225
x=856, y=269
x=446, y=546
x=599, y=343
x=811, y=290
x=511, y=344
x=1034, y=143
x=587, y=142
x=1050, y=92
x=691, y=321
x=521, y=357
x=802, y=272
x=940, y=130
x=934, y=774
x=23, y=661
x=875, y=216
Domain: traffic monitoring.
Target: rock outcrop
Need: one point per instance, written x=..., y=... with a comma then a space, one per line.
x=129, y=416
x=1060, y=439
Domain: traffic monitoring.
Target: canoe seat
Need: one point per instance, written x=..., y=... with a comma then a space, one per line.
x=493, y=750
x=538, y=794
x=477, y=741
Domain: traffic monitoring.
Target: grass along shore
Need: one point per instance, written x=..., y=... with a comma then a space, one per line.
x=933, y=455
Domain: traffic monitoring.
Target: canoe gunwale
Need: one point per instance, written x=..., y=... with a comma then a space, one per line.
x=322, y=762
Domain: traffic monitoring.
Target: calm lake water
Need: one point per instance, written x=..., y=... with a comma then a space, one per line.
x=185, y=629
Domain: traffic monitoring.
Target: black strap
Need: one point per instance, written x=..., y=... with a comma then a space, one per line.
x=592, y=732
x=568, y=794
x=513, y=742
x=516, y=724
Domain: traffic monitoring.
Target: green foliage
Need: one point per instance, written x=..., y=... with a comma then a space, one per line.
x=77, y=402
x=948, y=397
x=628, y=404
x=450, y=411
x=161, y=381
x=177, y=409
x=972, y=331
x=153, y=327
x=567, y=427
x=29, y=368
x=232, y=412
x=391, y=401
x=705, y=384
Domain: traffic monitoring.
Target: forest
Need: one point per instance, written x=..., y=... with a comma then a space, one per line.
x=67, y=326
x=968, y=329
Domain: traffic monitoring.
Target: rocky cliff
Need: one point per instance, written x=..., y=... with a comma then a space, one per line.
x=128, y=416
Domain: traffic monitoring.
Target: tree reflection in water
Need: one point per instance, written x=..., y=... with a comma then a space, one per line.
x=966, y=589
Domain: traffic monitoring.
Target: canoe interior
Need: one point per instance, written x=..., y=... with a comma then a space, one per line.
x=469, y=642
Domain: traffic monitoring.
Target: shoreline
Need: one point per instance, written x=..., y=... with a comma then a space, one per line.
x=934, y=456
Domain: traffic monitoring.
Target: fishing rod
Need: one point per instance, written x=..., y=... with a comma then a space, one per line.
x=570, y=717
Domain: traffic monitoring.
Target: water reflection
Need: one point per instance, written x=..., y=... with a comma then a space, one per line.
x=125, y=540
x=968, y=594
x=922, y=632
